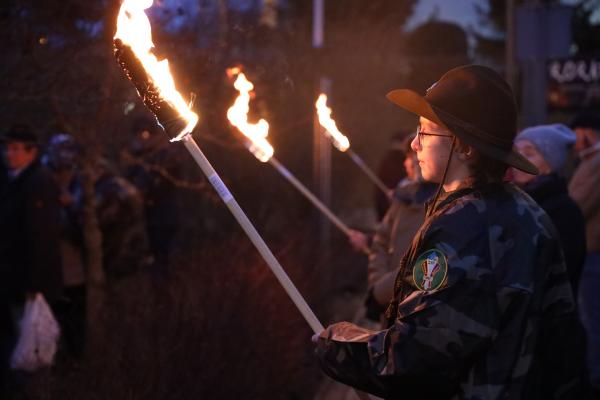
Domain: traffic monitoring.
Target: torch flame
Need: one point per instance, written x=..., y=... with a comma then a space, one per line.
x=238, y=117
x=133, y=28
x=331, y=131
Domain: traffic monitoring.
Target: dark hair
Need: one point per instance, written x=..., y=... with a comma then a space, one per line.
x=586, y=119
x=486, y=169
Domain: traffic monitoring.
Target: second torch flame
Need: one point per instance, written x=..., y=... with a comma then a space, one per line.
x=133, y=28
x=237, y=114
x=340, y=141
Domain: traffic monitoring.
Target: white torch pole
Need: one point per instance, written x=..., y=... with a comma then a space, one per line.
x=313, y=199
x=253, y=235
x=369, y=172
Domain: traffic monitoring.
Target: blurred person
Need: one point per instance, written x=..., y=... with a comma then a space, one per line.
x=120, y=212
x=482, y=305
x=546, y=147
x=360, y=240
x=154, y=168
x=29, y=234
x=585, y=190
x=390, y=171
x=62, y=158
x=411, y=164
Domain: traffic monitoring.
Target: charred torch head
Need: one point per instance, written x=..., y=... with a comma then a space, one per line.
x=167, y=116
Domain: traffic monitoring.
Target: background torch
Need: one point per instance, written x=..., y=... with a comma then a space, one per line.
x=259, y=146
x=342, y=143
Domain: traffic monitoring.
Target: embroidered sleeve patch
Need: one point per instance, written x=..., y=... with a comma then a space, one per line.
x=430, y=270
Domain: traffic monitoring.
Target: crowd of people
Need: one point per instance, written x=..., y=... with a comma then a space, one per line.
x=481, y=273
x=43, y=226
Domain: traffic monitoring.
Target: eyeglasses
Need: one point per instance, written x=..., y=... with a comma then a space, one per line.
x=420, y=134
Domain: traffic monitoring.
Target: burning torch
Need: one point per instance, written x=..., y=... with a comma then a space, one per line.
x=256, y=135
x=154, y=83
x=341, y=142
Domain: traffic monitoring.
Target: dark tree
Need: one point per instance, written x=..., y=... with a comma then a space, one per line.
x=434, y=48
x=586, y=35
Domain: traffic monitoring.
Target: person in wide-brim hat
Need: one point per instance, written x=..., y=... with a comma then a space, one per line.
x=482, y=305
x=476, y=105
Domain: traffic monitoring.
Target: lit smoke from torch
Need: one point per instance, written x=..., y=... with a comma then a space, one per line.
x=342, y=143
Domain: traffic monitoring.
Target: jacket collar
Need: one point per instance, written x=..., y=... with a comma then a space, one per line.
x=466, y=187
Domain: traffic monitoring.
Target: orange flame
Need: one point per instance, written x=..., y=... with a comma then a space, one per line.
x=237, y=115
x=133, y=28
x=331, y=130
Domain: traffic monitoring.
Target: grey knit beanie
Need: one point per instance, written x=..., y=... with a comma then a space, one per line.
x=552, y=141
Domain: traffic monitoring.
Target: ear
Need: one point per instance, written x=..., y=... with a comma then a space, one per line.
x=465, y=152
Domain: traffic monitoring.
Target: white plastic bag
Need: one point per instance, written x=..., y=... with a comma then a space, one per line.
x=38, y=336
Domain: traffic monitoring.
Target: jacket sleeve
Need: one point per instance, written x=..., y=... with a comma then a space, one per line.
x=435, y=335
x=379, y=258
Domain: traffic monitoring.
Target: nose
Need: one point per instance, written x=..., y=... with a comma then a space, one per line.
x=414, y=144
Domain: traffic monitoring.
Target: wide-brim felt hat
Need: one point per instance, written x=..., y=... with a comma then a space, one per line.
x=20, y=133
x=477, y=106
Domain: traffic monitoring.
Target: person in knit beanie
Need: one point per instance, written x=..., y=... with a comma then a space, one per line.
x=550, y=142
x=547, y=146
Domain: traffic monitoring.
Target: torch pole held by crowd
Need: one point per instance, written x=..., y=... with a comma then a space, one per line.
x=368, y=171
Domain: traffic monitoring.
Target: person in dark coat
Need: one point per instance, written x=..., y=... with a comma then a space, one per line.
x=155, y=168
x=29, y=231
x=546, y=146
x=62, y=157
x=120, y=212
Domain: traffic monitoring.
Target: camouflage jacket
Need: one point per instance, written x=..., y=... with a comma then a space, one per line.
x=483, y=309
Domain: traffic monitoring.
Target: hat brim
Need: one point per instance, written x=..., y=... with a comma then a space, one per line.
x=8, y=139
x=417, y=104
